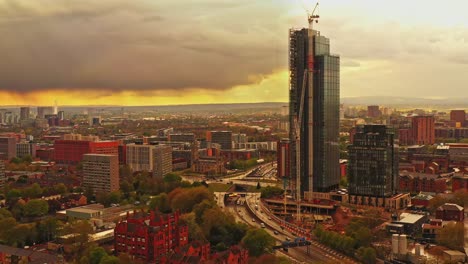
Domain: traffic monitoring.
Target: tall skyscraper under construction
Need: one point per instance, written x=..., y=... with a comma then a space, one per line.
x=314, y=107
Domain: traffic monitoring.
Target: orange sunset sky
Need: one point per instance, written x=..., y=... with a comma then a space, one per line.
x=146, y=52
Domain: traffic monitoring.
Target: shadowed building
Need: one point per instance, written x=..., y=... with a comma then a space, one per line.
x=101, y=172
x=319, y=95
x=373, y=165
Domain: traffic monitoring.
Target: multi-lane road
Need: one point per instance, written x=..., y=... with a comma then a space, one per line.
x=245, y=212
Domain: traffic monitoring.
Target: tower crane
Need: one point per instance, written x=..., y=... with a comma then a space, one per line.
x=312, y=17
x=308, y=80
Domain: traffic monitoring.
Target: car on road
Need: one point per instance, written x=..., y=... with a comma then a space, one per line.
x=275, y=232
x=253, y=219
x=269, y=218
x=262, y=225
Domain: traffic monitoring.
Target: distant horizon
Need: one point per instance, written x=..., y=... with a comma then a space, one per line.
x=354, y=100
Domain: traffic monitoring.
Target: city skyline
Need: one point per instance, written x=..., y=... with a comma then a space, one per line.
x=146, y=53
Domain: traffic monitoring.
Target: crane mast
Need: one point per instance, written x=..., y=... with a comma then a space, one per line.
x=308, y=80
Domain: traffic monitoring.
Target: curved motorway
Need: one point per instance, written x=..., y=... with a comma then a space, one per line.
x=318, y=252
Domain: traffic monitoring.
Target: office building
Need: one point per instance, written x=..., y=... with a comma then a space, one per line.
x=223, y=138
x=283, y=158
x=372, y=165
x=25, y=113
x=61, y=115
x=101, y=172
x=7, y=148
x=450, y=212
x=150, y=237
x=70, y=152
x=96, y=121
x=460, y=182
x=423, y=130
x=182, y=137
x=42, y=111
x=3, y=177
x=239, y=138
x=459, y=117
x=314, y=95
x=140, y=157
x=80, y=137
x=373, y=111
x=162, y=160
x=24, y=149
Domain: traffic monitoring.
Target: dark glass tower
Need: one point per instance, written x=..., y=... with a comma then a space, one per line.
x=373, y=162
x=319, y=127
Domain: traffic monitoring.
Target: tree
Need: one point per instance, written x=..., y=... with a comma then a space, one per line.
x=160, y=203
x=110, y=260
x=367, y=255
x=4, y=213
x=115, y=197
x=13, y=194
x=186, y=199
x=27, y=159
x=171, y=177
x=15, y=160
x=60, y=188
x=126, y=188
x=435, y=202
x=452, y=235
x=258, y=242
x=195, y=232
x=34, y=191
x=271, y=191
x=22, y=234
x=35, y=208
x=47, y=229
x=363, y=236
x=79, y=239
x=96, y=254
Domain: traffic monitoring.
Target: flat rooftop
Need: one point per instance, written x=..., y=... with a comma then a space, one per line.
x=407, y=218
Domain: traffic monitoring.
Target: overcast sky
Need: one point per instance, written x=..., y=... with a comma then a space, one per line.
x=204, y=51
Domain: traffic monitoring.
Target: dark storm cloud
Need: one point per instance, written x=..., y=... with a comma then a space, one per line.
x=135, y=45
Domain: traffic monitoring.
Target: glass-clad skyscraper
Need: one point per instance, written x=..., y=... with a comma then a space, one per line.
x=319, y=127
x=373, y=162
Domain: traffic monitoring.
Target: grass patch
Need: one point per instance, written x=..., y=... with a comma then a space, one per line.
x=219, y=187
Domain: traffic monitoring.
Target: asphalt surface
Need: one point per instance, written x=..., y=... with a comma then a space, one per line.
x=318, y=252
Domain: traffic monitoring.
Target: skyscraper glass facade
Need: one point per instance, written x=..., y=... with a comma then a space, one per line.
x=321, y=138
x=373, y=162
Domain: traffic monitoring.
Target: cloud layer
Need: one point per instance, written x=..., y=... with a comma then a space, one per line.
x=175, y=47
x=136, y=45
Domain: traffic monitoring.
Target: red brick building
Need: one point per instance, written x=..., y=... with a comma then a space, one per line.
x=195, y=252
x=404, y=136
x=421, y=182
x=373, y=111
x=423, y=130
x=234, y=255
x=459, y=182
x=458, y=116
x=421, y=200
x=237, y=154
x=150, y=237
x=450, y=212
x=70, y=152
